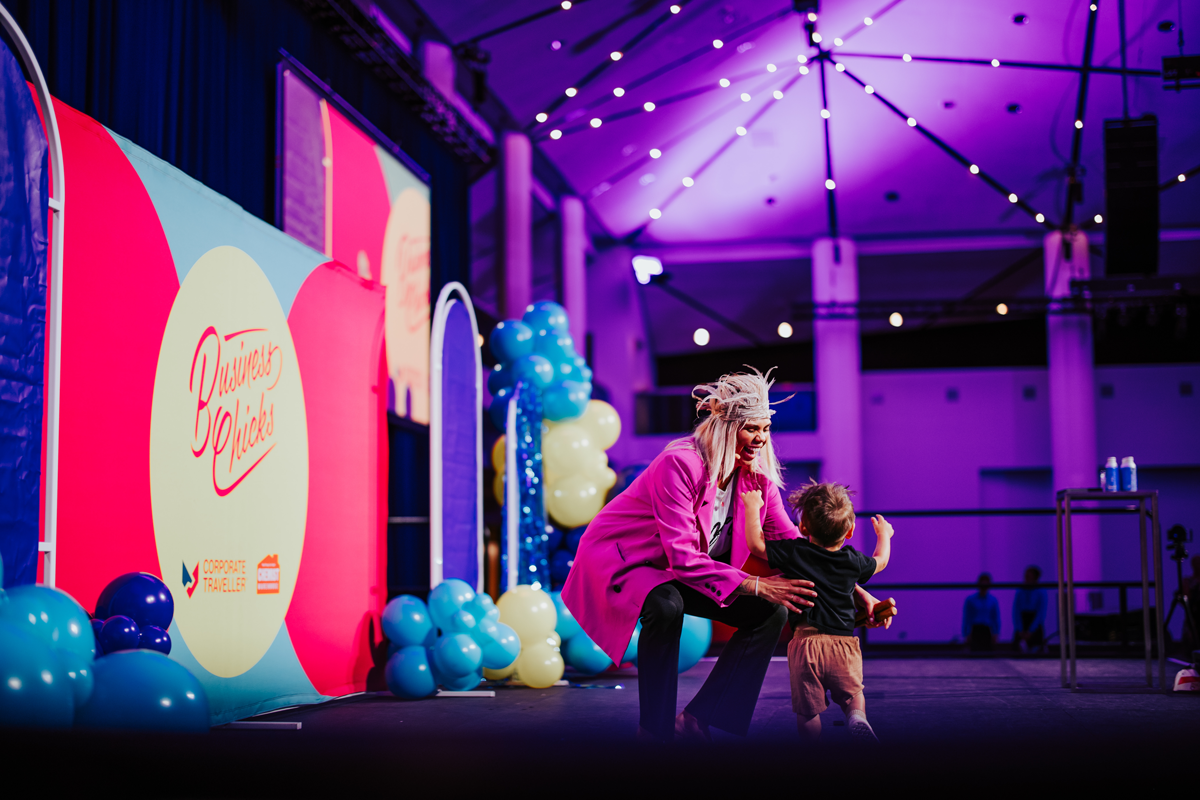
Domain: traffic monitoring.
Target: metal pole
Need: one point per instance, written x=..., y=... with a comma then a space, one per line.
x=1145, y=585
x=1158, y=596
x=1070, y=592
x=1062, y=600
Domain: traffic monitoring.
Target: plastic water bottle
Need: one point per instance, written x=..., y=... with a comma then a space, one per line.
x=1111, y=476
x=1128, y=475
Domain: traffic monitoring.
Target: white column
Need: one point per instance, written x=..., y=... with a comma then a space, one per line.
x=1072, y=394
x=837, y=361
x=514, y=261
x=574, y=259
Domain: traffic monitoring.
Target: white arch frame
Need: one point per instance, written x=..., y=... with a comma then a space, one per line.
x=436, y=340
x=48, y=546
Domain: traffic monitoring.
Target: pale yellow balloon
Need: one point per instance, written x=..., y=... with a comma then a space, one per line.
x=500, y=674
x=594, y=465
x=608, y=480
x=498, y=488
x=498, y=460
x=530, y=612
x=602, y=422
x=567, y=450
x=574, y=500
x=554, y=640
x=540, y=665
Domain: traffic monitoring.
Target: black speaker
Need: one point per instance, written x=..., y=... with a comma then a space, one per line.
x=1131, y=195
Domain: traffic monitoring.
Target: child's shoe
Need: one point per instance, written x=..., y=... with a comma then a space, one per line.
x=860, y=730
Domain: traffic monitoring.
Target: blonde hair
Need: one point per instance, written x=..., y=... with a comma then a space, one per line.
x=731, y=402
x=826, y=510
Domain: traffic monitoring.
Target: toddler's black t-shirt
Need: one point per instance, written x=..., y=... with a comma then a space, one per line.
x=834, y=573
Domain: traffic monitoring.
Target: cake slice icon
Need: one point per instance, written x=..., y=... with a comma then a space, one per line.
x=268, y=575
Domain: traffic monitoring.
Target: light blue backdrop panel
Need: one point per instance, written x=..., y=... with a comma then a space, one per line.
x=196, y=219
x=397, y=176
x=277, y=680
x=460, y=475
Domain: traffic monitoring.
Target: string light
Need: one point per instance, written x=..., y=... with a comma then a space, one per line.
x=556, y=134
x=869, y=89
x=829, y=184
x=812, y=16
x=816, y=37
x=688, y=182
x=724, y=83
x=566, y=5
x=837, y=41
x=615, y=55
x=675, y=9
x=700, y=336
x=804, y=70
x=1012, y=198
x=1040, y=217
x=778, y=95
x=655, y=213
x=868, y=21
x=1092, y=7
x=572, y=91
x=825, y=113
x=1098, y=219
x=912, y=123
x=745, y=97
x=655, y=152
x=717, y=43
x=840, y=67
x=740, y=131
x=771, y=67
x=595, y=123
x=802, y=59
x=896, y=319
x=618, y=92
x=1182, y=177
x=1001, y=309
x=974, y=170
x=1078, y=124
x=995, y=62
x=649, y=106
x=907, y=57
x=785, y=330
x=542, y=117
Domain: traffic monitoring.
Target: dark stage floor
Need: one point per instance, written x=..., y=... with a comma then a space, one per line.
x=991, y=723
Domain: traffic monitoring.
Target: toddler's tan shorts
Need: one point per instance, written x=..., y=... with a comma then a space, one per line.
x=818, y=661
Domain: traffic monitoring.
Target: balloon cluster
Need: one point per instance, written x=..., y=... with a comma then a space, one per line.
x=586, y=657
x=531, y=613
x=538, y=350
x=134, y=611
x=54, y=673
x=450, y=641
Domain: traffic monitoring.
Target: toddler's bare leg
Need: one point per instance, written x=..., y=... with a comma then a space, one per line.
x=809, y=727
x=857, y=703
x=855, y=709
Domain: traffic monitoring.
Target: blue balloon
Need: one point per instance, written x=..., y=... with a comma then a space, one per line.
x=533, y=369
x=446, y=598
x=585, y=656
x=106, y=595
x=408, y=673
x=498, y=410
x=547, y=315
x=510, y=340
x=554, y=346
x=405, y=621
x=498, y=642
x=97, y=626
x=630, y=656
x=567, y=626
x=584, y=370
x=120, y=633
x=51, y=615
x=482, y=607
x=34, y=692
x=144, y=599
x=499, y=378
x=155, y=638
x=461, y=621
x=141, y=690
x=77, y=670
x=573, y=537
x=694, y=641
x=560, y=565
x=464, y=683
x=456, y=655
x=566, y=400
x=567, y=371
x=553, y=538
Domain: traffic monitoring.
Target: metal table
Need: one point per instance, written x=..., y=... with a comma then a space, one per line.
x=1066, y=577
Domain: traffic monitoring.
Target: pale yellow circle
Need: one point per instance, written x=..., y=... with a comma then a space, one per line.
x=228, y=461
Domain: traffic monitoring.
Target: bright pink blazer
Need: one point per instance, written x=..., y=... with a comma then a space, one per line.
x=657, y=531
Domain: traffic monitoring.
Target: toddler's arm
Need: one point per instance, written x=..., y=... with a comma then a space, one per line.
x=883, y=542
x=753, y=503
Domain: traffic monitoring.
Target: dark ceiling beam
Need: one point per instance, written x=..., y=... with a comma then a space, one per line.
x=987, y=62
x=830, y=193
x=679, y=62
x=661, y=281
x=1074, y=186
x=957, y=156
x=862, y=26
x=556, y=8
x=971, y=297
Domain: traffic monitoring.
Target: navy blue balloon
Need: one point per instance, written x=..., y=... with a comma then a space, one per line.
x=498, y=411
x=97, y=625
x=106, y=595
x=573, y=537
x=499, y=378
x=142, y=690
x=554, y=538
x=120, y=633
x=145, y=599
x=155, y=638
x=560, y=565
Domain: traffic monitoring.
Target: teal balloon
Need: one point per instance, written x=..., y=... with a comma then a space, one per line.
x=694, y=641
x=464, y=683
x=448, y=597
x=456, y=655
x=77, y=671
x=498, y=643
x=536, y=370
x=51, y=615
x=547, y=315
x=585, y=655
x=499, y=378
x=461, y=621
x=408, y=673
x=554, y=346
x=567, y=626
x=405, y=621
x=510, y=340
x=34, y=691
x=498, y=410
x=482, y=607
x=584, y=370
x=566, y=400
x=630, y=656
x=141, y=690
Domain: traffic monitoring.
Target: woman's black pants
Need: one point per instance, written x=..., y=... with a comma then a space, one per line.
x=727, y=698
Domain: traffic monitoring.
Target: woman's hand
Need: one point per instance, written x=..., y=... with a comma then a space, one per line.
x=789, y=593
x=753, y=501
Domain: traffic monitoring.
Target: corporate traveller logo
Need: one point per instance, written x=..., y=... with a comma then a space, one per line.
x=229, y=459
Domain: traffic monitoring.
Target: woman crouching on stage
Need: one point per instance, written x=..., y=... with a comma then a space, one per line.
x=666, y=547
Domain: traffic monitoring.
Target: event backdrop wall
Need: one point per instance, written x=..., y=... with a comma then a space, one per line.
x=223, y=391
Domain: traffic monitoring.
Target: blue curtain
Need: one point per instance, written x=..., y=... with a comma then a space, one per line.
x=24, y=192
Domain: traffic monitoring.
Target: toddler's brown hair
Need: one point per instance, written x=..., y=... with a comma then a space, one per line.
x=826, y=510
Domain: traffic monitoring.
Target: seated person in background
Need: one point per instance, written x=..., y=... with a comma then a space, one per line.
x=1029, y=613
x=981, y=617
x=824, y=653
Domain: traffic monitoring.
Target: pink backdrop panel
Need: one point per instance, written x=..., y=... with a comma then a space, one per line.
x=119, y=282
x=337, y=325
x=360, y=197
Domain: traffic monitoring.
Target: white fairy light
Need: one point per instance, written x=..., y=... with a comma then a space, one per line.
x=572, y=91
x=840, y=67
x=778, y=95
x=596, y=122
x=995, y=62
x=566, y=5
x=837, y=41
x=718, y=44
x=542, y=117
x=739, y=130
x=812, y=16
x=869, y=89
x=1001, y=309
x=912, y=123
x=804, y=70
x=802, y=59
x=825, y=113
x=896, y=319
x=700, y=336
x=724, y=83
x=556, y=134
x=829, y=184
x=868, y=21
x=1040, y=217
x=974, y=170
x=1078, y=124
x=816, y=37
x=655, y=152
x=675, y=9
x=785, y=330
x=745, y=97
x=616, y=55
x=688, y=182
x=1098, y=218
x=618, y=92
x=649, y=106
x=771, y=67
x=1012, y=198
x=655, y=213
x=907, y=57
